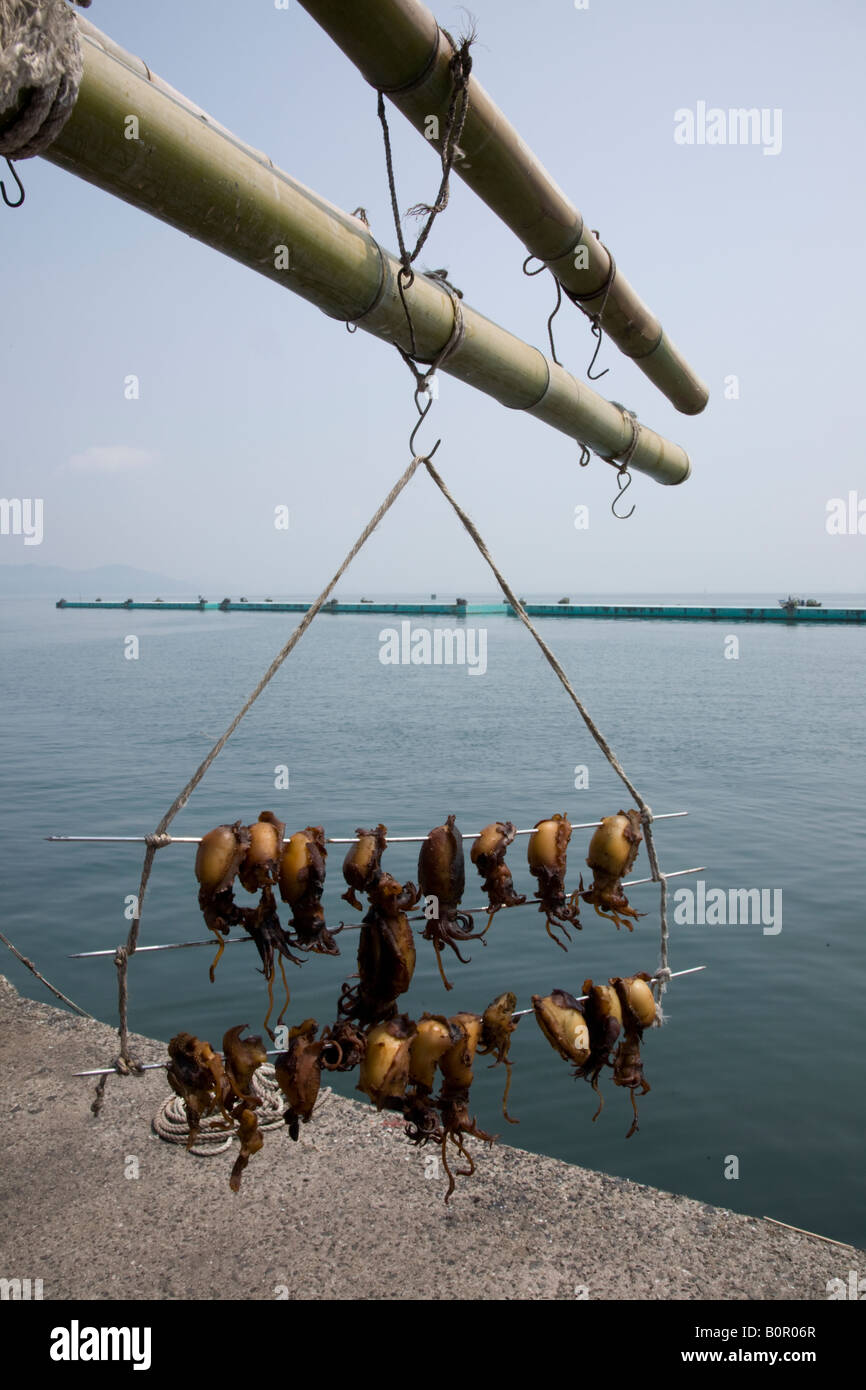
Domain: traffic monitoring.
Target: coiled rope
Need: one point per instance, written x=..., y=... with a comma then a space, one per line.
x=40, y=73
x=215, y=1136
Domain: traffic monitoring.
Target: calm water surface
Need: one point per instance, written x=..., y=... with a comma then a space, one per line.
x=762, y=1054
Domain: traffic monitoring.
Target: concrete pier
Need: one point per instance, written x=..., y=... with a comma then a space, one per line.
x=345, y=1213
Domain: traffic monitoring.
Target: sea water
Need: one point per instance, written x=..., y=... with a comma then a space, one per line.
x=757, y=1099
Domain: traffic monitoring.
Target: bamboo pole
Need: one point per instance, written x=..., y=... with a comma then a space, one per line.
x=400, y=50
x=181, y=166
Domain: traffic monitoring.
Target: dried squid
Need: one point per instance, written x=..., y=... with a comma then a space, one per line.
x=488, y=856
x=548, y=844
x=362, y=866
x=442, y=878
x=453, y=1103
x=638, y=1008
x=386, y=953
x=301, y=880
x=497, y=1026
x=298, y=1071
x=612, y=852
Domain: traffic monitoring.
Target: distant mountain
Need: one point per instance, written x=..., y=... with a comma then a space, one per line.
x=106, y=581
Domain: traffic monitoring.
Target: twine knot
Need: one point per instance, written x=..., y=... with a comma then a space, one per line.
x=40, y=72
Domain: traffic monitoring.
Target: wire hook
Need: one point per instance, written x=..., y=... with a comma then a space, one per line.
x=14, y=174
x=543, y=266
x=422, y=412
x=623, y=488
x=596, y=331
x=556, y=310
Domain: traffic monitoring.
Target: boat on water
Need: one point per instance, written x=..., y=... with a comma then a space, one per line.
x=793, y=603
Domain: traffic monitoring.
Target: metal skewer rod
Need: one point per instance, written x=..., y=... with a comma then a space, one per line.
x=693, y=970
x=349, y=926
x=330, y=840
x=275, y=1052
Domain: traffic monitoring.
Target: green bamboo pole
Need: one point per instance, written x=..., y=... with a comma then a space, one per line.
x=136, y=137
x=399, y=48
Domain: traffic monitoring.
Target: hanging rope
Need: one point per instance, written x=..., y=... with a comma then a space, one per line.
x=160, y=838
x=646, y=813
x=460, y=66
x=32, y=968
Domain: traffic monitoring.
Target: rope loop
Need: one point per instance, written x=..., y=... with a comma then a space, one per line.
x=157, y=840
x=125, y=1067
x=40, y=73
x=636, y=427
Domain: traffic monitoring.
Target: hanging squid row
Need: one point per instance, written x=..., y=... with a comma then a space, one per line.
x=263, y=860
x=441, y=877
x=398, y=1061
x=585, y=1033
x=422, y=1070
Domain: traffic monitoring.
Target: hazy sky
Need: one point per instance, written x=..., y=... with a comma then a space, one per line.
x=250, y=397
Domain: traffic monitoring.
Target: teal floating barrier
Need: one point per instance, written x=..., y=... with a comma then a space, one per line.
x=639, y=612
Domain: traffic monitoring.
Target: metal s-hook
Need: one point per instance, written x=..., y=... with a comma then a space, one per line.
x=596, y=331
x=557, y=307
x=8, y=201
x=556, y=310
x=423, y=414
x=623, y=487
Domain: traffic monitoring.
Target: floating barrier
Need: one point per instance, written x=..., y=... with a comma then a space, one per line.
x=657, y=612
